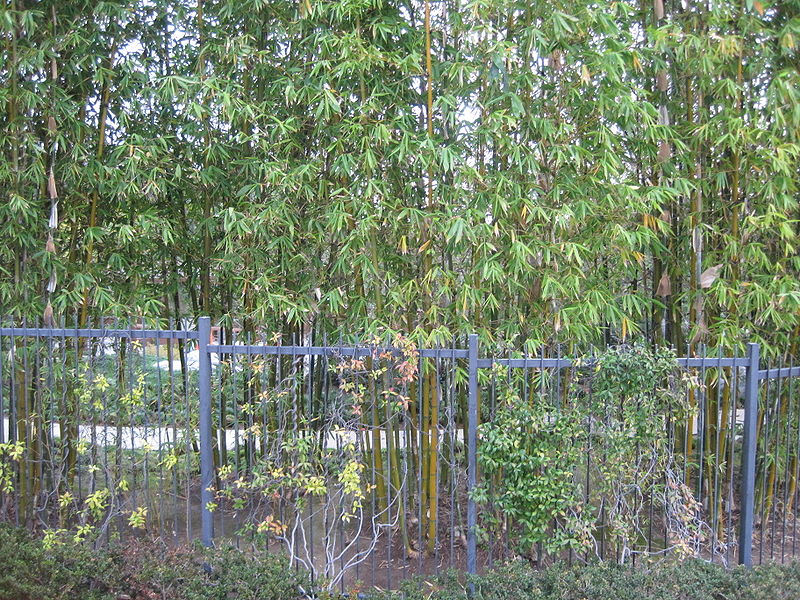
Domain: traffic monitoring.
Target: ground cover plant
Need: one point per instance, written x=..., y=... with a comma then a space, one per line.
x=31, y=570
x=36, y=569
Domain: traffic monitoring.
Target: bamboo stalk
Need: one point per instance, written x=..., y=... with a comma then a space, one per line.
x=205, y=263
x=102, y=123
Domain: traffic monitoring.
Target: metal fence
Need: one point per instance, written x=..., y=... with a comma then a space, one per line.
x=362, y=460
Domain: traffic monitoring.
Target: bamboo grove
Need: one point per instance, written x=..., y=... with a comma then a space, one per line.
x=557, y=174
x=563, y=173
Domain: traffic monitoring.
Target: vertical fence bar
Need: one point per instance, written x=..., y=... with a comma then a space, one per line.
x=206, y=458
x=2, y=410
x=749, y=457
x=472, y=454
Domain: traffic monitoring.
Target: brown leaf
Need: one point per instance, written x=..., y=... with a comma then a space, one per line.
x=555, y=60
x=664, y=286
x=585, y=75
x=536, y=289
x=698, y=305
x=666, y=216
x=53, y=69
x=50, y=246
x=759, y=7
x=664, y=151
x=661, y=80
x=701, y=332
x=51, y=124
x=709, y=276
x=48, y=315
x=658, y=9
x=51, y=186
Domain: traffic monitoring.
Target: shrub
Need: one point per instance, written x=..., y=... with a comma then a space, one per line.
x=684, y=580
x=769, y=582
x=534, y=451
x=149, y=570
x=244, y=576
x=31, y=570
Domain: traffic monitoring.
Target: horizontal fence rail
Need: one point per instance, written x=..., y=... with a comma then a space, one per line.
x=257, y=350
x=154, y=334
x=374, y=462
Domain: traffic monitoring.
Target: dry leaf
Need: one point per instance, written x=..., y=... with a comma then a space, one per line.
x=536, y=289
x=661, y=80
x=759, y=7
x=701, y=332
x=664, y=286
x=666, y=216
x=50, y=246
x=658, y=8
x=585, y=75
x=555, y=60
x=51, y=124
x=48, y=315
x=51, y=186
x=664, y=152
x=698, y=305
x=709, y=276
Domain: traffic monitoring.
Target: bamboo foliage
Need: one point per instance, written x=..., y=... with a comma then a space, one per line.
x=434, y=166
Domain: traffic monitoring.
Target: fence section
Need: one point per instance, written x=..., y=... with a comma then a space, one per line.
x=373, y=461
x=98, y=430
x=775, y=431
x=351, y=457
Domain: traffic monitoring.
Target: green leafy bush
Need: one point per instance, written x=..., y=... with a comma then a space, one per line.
x=683, y=580
x=151, y=571
x=533, y=457
x=31, y=570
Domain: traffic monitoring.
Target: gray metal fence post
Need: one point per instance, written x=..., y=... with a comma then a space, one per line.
x=472, y=454
x=206, y=457
x=749, y=457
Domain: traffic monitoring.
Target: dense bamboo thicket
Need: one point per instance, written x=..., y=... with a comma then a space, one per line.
x=574, y=172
